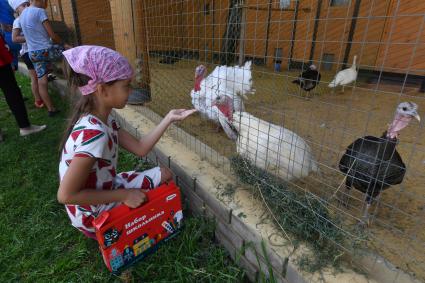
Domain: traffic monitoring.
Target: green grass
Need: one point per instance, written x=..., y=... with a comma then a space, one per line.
x=37, y=242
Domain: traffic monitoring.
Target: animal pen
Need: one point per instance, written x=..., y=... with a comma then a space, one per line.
x=291, y=142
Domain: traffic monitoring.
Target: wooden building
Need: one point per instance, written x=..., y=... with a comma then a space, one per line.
x=89, y=22
x=386, y=35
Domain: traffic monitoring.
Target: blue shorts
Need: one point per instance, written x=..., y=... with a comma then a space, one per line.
x=42, y=59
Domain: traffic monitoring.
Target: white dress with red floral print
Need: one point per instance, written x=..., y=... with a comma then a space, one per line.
x=91, y=138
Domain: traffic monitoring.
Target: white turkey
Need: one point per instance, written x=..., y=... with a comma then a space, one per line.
x=268, y=146
x=235, y=79
x=372, y=164
x=233, y=82
x=345, y=77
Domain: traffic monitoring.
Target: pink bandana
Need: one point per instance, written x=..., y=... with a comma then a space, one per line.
x=101, y=64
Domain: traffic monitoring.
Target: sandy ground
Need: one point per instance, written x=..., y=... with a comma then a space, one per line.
x=329, y=121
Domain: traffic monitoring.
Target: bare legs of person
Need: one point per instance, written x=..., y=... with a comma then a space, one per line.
x=38, y=102
x=44, y=93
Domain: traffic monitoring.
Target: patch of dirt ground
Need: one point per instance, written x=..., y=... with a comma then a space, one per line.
x=329, y=121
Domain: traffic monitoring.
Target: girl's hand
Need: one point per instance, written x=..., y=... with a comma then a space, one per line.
x=134, y=198
x=179, y=114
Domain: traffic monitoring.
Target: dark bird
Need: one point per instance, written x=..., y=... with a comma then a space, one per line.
x=372, y=164
x=170, y=57
x=308, y=79
x=169, y=60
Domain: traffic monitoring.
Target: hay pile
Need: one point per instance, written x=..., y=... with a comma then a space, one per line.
x=303, y=217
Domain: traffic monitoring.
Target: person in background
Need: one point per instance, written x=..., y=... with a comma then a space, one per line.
x=18, y=37
x=13, y=94
x=38, y=32
x=6, y=23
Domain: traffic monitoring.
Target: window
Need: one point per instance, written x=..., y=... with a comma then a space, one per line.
x=284, y=4
x=340, y=2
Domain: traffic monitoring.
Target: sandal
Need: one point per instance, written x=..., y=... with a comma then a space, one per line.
x=53, y=113
x=39, y=103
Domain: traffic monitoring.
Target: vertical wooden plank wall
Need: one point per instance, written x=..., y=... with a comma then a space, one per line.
x=333, y=30
x=203, y=19
x=256, y=28
x=164, y=25
x=122, y=22
x=368, y=33
x=95, y=27
x=67, y=14
x=142, y=45
x=221, y=10
x=185, y=25
x=304, y=31
x=64, y=13
x=195, y=26
x=399, y=51
x=53, y=10
x=280, y=31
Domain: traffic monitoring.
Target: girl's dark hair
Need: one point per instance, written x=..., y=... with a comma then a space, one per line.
x=80, y=104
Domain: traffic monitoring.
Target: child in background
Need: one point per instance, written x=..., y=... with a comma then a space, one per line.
x=18, y=37
x=89, y=183
x=13, y=94
x=38, y=32
x=6, y=21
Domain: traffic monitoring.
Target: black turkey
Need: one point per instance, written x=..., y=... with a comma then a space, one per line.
x=372, y=164
x=308, y=79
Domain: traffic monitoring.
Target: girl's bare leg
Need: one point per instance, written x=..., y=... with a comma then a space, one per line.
x=44, y=93
x=34, y=85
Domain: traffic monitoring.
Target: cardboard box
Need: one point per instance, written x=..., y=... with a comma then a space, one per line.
x=127, y=235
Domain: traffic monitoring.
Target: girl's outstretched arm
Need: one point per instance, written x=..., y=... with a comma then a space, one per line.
x=143, y=146
x=71, y=187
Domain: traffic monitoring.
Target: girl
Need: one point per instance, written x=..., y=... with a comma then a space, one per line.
x=18, y=37
x=89, y=182
x=38, y=32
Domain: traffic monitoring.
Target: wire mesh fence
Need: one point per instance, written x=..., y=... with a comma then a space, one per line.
x=320, y=75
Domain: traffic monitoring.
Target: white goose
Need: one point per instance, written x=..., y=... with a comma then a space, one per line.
x=345, y=77
x=233, y=82
x=268, y=146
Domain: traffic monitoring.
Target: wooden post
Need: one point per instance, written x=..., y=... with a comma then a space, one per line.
x=122, y=23
x=142, y=43
x=269, y=15
x=242, y=35
x=351, y=34
x=294, y=29
x=76, y=22
x=316, y=28
x=131, y=41
x=51, y=11
x=61, y=10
